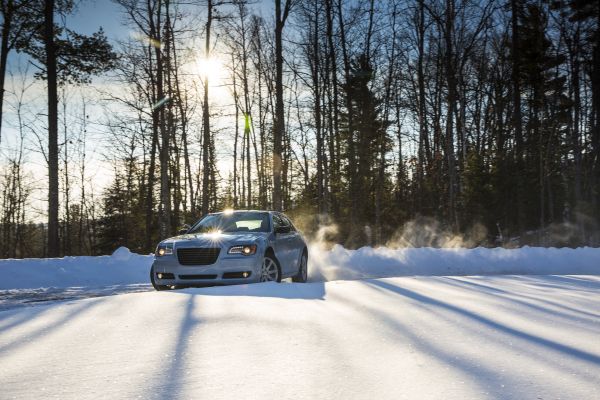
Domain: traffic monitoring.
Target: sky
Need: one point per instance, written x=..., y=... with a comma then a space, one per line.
x=92, y=14
x=88, y=17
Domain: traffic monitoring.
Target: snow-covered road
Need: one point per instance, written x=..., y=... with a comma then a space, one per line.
x=14, y=298
x=503, y=337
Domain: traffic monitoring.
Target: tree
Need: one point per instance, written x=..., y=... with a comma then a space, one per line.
x=367, y=131
x=208, y=168
x=547, y=116
x=64, y=56
x=50, y=50
x=588, y=12
x=517, y=119
x=281, y=16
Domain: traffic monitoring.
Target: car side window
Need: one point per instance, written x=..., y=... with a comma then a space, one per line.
x=288, y=222
x=277, y=222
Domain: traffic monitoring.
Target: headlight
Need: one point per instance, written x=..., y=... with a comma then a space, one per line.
x=246, y=250
x=164, y=249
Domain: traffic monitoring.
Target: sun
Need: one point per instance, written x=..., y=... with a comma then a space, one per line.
x=210, y=68
x=198, y=69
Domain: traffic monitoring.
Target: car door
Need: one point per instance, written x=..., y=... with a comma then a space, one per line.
x=283, y=244
x=296, y=243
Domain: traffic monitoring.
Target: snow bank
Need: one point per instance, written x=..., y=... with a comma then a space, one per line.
x=121, y=268
x=126, y=268
x=367, y=262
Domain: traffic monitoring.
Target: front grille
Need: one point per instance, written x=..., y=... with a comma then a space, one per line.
x=198, y=256
x=197, y=277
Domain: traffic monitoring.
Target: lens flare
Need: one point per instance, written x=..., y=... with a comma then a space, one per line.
x=145, y=39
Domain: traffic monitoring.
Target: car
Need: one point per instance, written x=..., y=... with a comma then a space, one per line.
x=232, y=247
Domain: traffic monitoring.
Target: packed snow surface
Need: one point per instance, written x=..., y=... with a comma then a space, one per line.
x=488, y=337
x=125, y=268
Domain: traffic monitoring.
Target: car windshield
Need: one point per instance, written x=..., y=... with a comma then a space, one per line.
x=234, y=222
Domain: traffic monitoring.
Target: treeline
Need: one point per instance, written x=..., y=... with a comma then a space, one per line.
x=479, y=115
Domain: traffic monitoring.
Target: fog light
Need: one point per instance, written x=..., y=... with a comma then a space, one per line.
x=159, y=276
x=245, y=274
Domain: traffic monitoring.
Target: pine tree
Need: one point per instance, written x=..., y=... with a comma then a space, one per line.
x=366, y=133
x=546, y=118
x=63, y=56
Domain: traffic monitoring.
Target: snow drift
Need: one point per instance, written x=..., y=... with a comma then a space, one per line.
x=125, y=268
x=367, y=262
x=121, y=268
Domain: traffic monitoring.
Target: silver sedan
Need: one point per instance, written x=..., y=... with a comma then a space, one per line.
x=232, y=247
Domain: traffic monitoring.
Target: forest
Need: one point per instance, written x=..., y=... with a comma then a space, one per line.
x=381, y=123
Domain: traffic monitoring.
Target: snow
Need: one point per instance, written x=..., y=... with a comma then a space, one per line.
x=126, y=268
x=122, y=254
x=13, y=298
x=486, y=337
x=120, y=268
x=366, y=262
x=374, y=323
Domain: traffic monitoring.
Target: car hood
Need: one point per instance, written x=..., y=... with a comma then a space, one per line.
x=214, y=239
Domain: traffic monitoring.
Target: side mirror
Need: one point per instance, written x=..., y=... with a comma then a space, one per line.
x=283, y=229
x=184, y=229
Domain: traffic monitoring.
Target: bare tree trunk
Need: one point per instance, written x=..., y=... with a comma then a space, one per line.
x=596, y=108
x=334, y=139
x=517, y=117
x=237, y=134
x=370, y=29
x=575, y=87
x=424, y=150
x=183, y=111
x=451, y=104
x=206, y=159
x=172, y=123
x=151, y=180
x=82, y=198
x=165, y=196
x=53, y=241
x=7, y=14
x=316, y=89
x=383, y=137
x=67, y=221
x=279, y=128
x=247, y=112
x=248, y=159
x=350, y=123
x=262, y=112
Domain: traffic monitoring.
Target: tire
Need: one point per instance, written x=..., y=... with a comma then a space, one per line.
x=154, y=284
x=302, y=275
x=270, y=270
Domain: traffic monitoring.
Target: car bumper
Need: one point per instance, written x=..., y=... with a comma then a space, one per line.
x=226, y=271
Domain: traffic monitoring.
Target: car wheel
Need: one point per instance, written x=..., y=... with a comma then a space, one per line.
x=270, y=271
x=302, y=274
x=154, y=284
